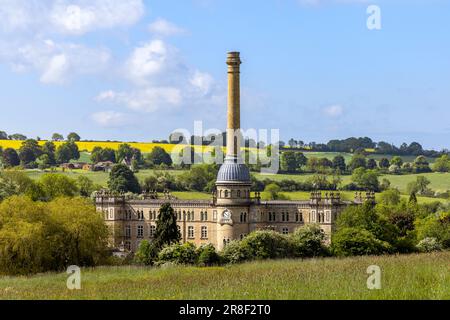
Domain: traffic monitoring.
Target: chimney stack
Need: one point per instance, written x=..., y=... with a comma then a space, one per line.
x=234, y=105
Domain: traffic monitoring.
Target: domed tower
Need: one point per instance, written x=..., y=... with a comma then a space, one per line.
x=233, y=180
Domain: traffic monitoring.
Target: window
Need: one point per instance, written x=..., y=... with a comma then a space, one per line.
x=242, y=236
x=287, y=216
x=128, y=245
x=285, y=230
x=272, y=216
x=243, y=217
x=152, y=231
x=297, y=217
x=226, y=193
x=128, y=231
x=191, y=232
x=239, y=193
x=215, y=215
x=283, y=217
x=204, y=216
x=204, y=232
x=140, y=231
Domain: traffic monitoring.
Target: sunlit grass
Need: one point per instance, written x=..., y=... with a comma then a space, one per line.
x=424, y=276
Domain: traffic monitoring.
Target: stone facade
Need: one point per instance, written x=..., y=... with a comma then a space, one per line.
x=202, y=221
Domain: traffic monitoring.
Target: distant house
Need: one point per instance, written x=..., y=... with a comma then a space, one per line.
x=72, y=166
x=88, y=167
x=105, y=166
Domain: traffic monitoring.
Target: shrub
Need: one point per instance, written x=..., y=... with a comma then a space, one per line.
x=207, y=256
x=357, y=242
x=429, y=245
x=307, y=241
x=146, y=254
x=235, y=252
x=267, y=245
x=178, y=254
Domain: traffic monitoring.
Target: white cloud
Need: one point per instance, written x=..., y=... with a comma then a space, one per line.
x=110, y=118
x=55, y=63
x=68, y=16
x=165, y=28
x=161, y=80
x=334, y=111
x=146, y=100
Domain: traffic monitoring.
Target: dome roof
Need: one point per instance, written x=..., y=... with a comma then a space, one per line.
x=233, y=172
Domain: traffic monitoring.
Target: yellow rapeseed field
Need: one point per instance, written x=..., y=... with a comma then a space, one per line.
x=90, y=145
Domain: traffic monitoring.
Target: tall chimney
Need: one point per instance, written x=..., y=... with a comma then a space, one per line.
x=234, y=105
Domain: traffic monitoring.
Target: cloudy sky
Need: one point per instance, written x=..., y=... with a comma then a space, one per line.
x=136, y=70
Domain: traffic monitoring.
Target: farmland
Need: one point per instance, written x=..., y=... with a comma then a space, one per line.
x=417, y=276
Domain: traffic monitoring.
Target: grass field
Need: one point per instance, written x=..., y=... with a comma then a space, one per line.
x=424, y=276
x=439, y=181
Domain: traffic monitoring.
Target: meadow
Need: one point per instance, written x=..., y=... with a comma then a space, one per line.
x=416, y=276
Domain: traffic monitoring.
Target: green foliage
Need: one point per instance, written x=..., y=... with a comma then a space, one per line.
x=126, y=152
x=183, y=254
x=86, y=186
x=429, y=245
x=10, y=158
x=435, y=226
x=420, y=186
x=73, y=137
x=39, y=237
x=442, y=164
x=357, y=242
x=58, y=185
x=235, y=252
x=66, y=152
x=339, y=164
x=199, y=178
x=29, y=152
x=396, y=161
x=308, y=241
x=99, y=154
x=366, y=179
x=267, y=245
x=57, y=137
x=207, y=256
x=273, y=191
x=122, y=179
x=358, y=161
x=167, y=232
x=390, y=197
x=16, y=183
x=159, y=156
x=146, y=254
x=384, y=163
x=292, y=161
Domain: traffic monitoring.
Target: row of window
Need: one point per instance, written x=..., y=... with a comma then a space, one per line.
x=285, y=216
x=152, y=231
x=244, y=194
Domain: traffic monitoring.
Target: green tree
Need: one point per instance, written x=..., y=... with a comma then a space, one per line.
x=86, y=186
x=167, y=232
x=396, y=161
x=384, y=163
x=289, y=161
x=147, y=253
x=73, y=137
x=442, y=164
x=29, y=152
x=420, y=186
x=339, y=164
x=390, y=197
x=371, y=164
x=49, y=149
x=122, y=179
x=421, y=165
x=3, y=135
x=357, y=242
x=358, y=161
x=159, y=156
x=308, y=241
x=273, y=191
x=366, y=179
x=10, y=158
x=66, y=152
x=57, y=137
x=58, y=185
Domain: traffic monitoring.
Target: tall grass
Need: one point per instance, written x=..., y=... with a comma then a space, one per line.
x=417, y=276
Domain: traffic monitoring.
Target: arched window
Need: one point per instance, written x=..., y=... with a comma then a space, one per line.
x=226, y=193
x=239, y=193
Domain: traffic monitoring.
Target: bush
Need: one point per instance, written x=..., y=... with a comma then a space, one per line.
x=267, y=245
x=207, y=256
x=357, y=242
x=429, y=245
x=307, y=241
x=178, y=254
x=146, y=254
x=235, y=252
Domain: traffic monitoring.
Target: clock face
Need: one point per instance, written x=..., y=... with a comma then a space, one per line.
x=226, y=215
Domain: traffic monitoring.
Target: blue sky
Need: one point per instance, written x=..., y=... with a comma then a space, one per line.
x=137, y=70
